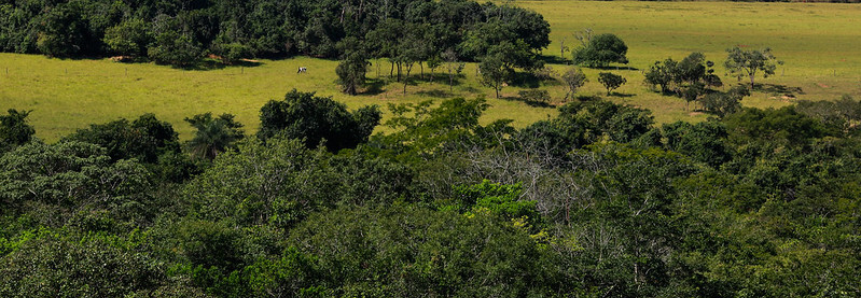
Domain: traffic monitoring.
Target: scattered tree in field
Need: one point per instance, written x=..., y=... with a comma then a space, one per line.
x=213, y=135
x=452, y=65
x=493, y=73
x=611, y=81
x=433, y=63
x=574, y=78
x=351, y=71
x=601, y=50
x=748, y=62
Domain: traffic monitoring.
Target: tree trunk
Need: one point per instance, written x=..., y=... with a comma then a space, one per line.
x=400, y=67
x=422, y=75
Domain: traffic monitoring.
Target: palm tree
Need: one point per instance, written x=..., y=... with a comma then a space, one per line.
x=214, y=135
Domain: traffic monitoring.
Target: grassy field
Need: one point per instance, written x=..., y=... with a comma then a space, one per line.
x=819, y=43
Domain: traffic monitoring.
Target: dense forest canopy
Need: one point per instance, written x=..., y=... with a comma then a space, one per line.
x=596, y=202
x=179, y=31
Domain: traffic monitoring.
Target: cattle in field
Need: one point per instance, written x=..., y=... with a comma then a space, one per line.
x=302, y=69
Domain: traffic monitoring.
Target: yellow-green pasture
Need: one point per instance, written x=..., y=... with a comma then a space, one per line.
x=66, y=95
x=819, y=43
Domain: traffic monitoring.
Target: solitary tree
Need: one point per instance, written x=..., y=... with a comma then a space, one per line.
x=748, y=63
x=602, y=50
x=351, y=73
x=611, y=81
x=574, y=78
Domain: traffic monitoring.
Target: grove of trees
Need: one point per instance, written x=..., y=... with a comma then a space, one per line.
x=180, y=31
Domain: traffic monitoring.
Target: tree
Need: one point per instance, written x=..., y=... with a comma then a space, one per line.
x=301, y=115
x=14, y=130
x=748, y=62
x=131, y=37
x=601, y=50
x=145, y=138
x=724, y=103
x=493, y=73
x=574, y=78
x=351, y=71
x=213, y=135
x=452, y=65
x=611, y=81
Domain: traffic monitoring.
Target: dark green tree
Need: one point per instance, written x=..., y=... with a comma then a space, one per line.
x=313, y=119
x=14, y=130
x=351, y=71
x=611, y=81
x=145, y=138
x=213, y=135
x=601, y=50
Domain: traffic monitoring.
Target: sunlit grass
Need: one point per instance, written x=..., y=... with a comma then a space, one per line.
x=819, y=43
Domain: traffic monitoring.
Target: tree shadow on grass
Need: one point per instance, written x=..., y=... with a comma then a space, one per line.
x=588, y=98
x=554, y=60
x=216, y=64
x=436, y=93
x=614, y=67
x=531, y=103
x=374, y=87
x=778, y=89
x=622, y=95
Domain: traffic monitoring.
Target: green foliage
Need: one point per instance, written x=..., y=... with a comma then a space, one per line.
x=724, y=103
x=601, y=50
x=14, y=130
x=748, y=62
x=704, y=141
x=494, y=73
x=425, y=131
x=779, y=127
x=52, y=267
x=281, y=182
x=402, y=251
x=145, y=138
x=842, y=114
x=174, y=48
x=583, y=123
x=214, y=135
x=131, y=37
x=611, y=81
x=317, y=121
x=351, y=71
x=72, y=179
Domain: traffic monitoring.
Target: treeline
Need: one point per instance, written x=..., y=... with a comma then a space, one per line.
x=596, y=202
x=180, y=31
